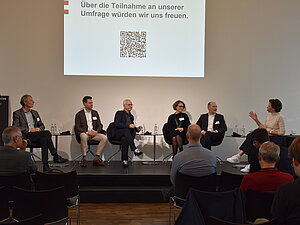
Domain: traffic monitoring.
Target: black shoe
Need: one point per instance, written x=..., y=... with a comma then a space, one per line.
x=137, y=152
x=59, y=159
x=46, y=167
x=125, y=163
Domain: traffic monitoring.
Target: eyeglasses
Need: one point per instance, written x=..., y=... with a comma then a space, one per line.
x=129, y=104
x=181, y=106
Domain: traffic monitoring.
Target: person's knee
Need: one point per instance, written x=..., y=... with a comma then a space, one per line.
x=83, y=137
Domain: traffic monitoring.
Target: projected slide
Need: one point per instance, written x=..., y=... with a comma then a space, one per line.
x=157, y=38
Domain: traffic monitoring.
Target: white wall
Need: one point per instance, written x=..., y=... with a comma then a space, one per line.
x=252, y=54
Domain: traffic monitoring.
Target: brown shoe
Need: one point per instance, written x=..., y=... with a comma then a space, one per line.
x=83, y=163
x=98, y=162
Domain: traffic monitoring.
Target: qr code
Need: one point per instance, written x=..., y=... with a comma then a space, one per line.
x=133, y=44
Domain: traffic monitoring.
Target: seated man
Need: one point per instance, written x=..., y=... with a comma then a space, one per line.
x=89, y=127
x=258, y=137
x=194, y=160
x=286, y=203
x=213, y=126
x=13, y=160
x=32, y=127
x=268, y=178
x=124, y=131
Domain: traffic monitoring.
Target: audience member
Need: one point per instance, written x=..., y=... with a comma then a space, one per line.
x=176, y=127
x=286, y=204
x=32, y=127
x=193, y=160
x=213, y=126
x=89, y=127
x=268, y=178
x=13, y=158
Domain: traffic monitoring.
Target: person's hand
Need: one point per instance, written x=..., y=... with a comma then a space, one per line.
x=34, y=130
x=253, y=115
x=131, y=125
x=92, y=133
x=203, y=132
x=139, y=128
x=23, y=145
x=180, y=129
x=214, y=131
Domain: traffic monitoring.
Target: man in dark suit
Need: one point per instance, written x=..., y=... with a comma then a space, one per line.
x=125, y=130
x=213, y=126
x=13, y=160
x=32, y=127
x=89, y=127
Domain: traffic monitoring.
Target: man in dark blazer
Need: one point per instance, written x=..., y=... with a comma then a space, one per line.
x=32, y=127
x=89, y=127
x=125, y=130
x=213, y=126
x=13, y=157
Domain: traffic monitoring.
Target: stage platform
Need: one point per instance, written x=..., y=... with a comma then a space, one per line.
x=137, y=183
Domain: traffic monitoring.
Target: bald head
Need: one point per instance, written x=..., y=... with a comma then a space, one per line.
x=193, y=133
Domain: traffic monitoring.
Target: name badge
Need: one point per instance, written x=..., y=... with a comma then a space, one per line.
x=38, y=119
x=94, y=117
x=181, y=119
x=217, y=122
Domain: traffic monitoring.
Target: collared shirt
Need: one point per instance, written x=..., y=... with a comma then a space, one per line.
x=211, y=119
x=194, y=161
x=29, y=119
x=89, y=121
x=128, y=118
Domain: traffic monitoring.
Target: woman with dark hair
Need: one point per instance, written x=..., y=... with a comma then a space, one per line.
x=274, y=125
x=176, y=127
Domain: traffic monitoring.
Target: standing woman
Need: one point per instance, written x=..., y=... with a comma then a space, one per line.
x=176, y=127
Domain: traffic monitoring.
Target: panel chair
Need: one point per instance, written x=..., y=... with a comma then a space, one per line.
x=35, y=220
x=50, y=203
x=182, y=185
x=56, y=178
x=31, y=146
x=110, y=130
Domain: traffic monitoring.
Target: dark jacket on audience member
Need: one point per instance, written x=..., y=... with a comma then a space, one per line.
x=14, y=161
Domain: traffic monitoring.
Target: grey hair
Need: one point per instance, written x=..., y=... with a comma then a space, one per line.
x=126, y=100
x=8, y=133
x=269, y=152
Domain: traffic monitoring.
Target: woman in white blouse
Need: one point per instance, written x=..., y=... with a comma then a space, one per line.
x=274, y=124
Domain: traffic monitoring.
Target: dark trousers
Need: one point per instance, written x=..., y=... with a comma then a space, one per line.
x=211, y=139
x=43, y=139
x=126, y=136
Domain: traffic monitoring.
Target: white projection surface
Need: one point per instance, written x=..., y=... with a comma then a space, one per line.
x=157, y=38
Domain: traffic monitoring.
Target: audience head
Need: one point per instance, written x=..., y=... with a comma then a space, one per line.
x=212, y=108
x=12, y=136
x=259, y=136
x=274, y=105
x=127, y=104
x=179, y=106
x=268, y=154
x=87, y=102
x=27, y=101
x=193, y=133
x=294, y=152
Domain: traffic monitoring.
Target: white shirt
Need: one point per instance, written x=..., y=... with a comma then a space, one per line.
x=88, y=116
x=210, y=125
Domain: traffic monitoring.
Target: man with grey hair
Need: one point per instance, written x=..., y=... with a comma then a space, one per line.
x=194, y=160
x=32, y=127
x=125, y=130
x=13, y=158
x=268, y=178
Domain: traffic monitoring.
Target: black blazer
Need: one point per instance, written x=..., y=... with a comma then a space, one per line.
x=120, y=120
x=81, y=123
x=219, y=123
x=20, y=121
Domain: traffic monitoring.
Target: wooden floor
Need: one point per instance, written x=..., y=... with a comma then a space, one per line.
x=122, y=214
